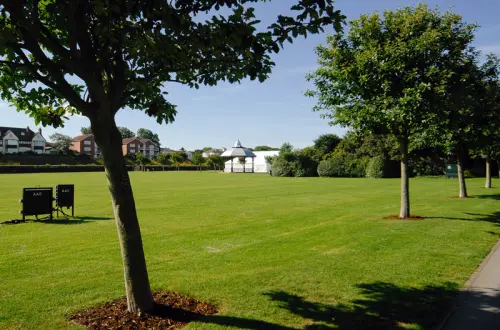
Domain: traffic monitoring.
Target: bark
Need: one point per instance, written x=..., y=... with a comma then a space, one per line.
x=108, y=138
x=461, y=177
x=488, y=174
x=405, y=181
x=498, y=164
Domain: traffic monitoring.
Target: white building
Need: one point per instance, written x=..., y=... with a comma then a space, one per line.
x=255, y=162
x=14, y=140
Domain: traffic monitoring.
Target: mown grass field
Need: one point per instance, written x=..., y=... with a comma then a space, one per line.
x=271, y=253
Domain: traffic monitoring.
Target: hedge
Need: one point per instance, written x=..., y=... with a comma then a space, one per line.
x=53, y=168
x=175, y=168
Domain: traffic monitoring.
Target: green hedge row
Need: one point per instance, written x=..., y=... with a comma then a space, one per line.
x=53, y=168
x=175, y=168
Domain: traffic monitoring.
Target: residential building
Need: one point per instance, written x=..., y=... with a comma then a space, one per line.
x=85, y=144
x=131, y=146
x=15, y=140
x=149, y=148
x=213, y=152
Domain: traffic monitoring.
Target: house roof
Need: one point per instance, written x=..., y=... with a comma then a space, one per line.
x=167, y=150
x=129, y=140
x=81, y=137
x=23, y=134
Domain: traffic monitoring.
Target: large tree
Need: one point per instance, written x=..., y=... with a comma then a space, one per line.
x=144, y=133
x=96, y=57
x=61, y=142
x=387, y=75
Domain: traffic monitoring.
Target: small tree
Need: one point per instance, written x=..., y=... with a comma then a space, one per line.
x=387, y=75
x=122, y=54
x=162, y=158
x=286, y=147
x=176, y=158
x=216, y=161
x=61, y=142
x=325, y=144
x=198, y=159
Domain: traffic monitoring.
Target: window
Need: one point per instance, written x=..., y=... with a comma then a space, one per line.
x=38, y=143
x=87, y=143
x=86, y=149
x=23, y=134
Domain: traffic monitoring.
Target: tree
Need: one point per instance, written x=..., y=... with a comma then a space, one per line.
x=143, y=133
x=121, y=54
x=264, y=148
x=61, y=142
x=325, y=144
x=197, y=159
x=487, y=144
x=142, y=160
x=216, y=161
x=177, y=159
x=162, y=158
x=386, y=75
x=86, y=130
x=125, y=132
x=286, y=147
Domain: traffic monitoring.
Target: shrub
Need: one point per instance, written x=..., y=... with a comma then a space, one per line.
x=376, y=167
x=282, y=167
x=304, y=166
x=332, y=167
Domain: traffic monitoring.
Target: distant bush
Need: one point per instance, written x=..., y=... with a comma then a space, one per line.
x=332, y=167
x=376, y=167
x=282, y=167
x=304, y=166
x=53, y=168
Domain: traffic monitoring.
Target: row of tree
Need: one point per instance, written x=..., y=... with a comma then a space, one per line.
x=412, y=74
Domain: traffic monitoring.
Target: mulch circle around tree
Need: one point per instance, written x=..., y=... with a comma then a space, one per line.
x=172, y=311
x=396, y=217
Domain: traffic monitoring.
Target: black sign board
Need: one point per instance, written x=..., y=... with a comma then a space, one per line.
x=37, y=201
x=65, y=196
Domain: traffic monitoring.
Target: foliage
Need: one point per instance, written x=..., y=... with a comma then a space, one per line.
x=325, y=144
x=343, y=164
x=215, y=161
x=141, y=159
x=86, y=130
x=197, y=158
x=177, y=158
x=286, y=147
x=125, y=132
x=292, y=163
x=332, y=167
x=143, y=133
x=264, y=148
x=162, y=158
x=61, y=142
x=376, y=167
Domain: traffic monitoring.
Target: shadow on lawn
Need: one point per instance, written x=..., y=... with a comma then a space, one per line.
x=492, y=218
x=60, y=221
x=492, y=196
x=383, y=306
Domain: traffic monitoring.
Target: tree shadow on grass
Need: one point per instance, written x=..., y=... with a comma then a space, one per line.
x=182, y=315
x=491, y=196
x=383, y=306
x=492, y=218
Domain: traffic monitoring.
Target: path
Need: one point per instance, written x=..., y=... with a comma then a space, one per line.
x=479, y=304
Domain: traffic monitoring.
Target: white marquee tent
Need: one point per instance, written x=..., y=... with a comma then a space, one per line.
x=260, y=165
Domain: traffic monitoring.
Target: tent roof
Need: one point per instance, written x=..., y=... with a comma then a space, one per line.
x=238, y=151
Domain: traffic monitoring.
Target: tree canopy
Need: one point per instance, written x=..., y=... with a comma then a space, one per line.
x=124, y=131
x=264, y=148
x=61, y=142
x=144, y=133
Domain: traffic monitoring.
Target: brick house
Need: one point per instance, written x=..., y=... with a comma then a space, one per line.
x=14, y=140
x=149, y=148
x=85, y=144
x=131, y=146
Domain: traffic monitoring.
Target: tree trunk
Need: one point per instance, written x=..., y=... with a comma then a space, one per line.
x=109, y=140
x=488, y=174
x=405, y=181
x=461, y=177
x=498, y=164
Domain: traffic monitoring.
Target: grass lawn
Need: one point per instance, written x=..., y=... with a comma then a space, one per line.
x=271, y=253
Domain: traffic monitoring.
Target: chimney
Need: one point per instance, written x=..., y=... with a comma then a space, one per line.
x=40, y=131
x=27, y=129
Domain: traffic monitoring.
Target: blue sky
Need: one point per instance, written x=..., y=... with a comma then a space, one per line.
x=275, y=111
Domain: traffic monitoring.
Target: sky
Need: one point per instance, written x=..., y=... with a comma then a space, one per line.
x=275, y=111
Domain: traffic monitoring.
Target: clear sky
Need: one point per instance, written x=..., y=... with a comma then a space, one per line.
x=275, y=111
